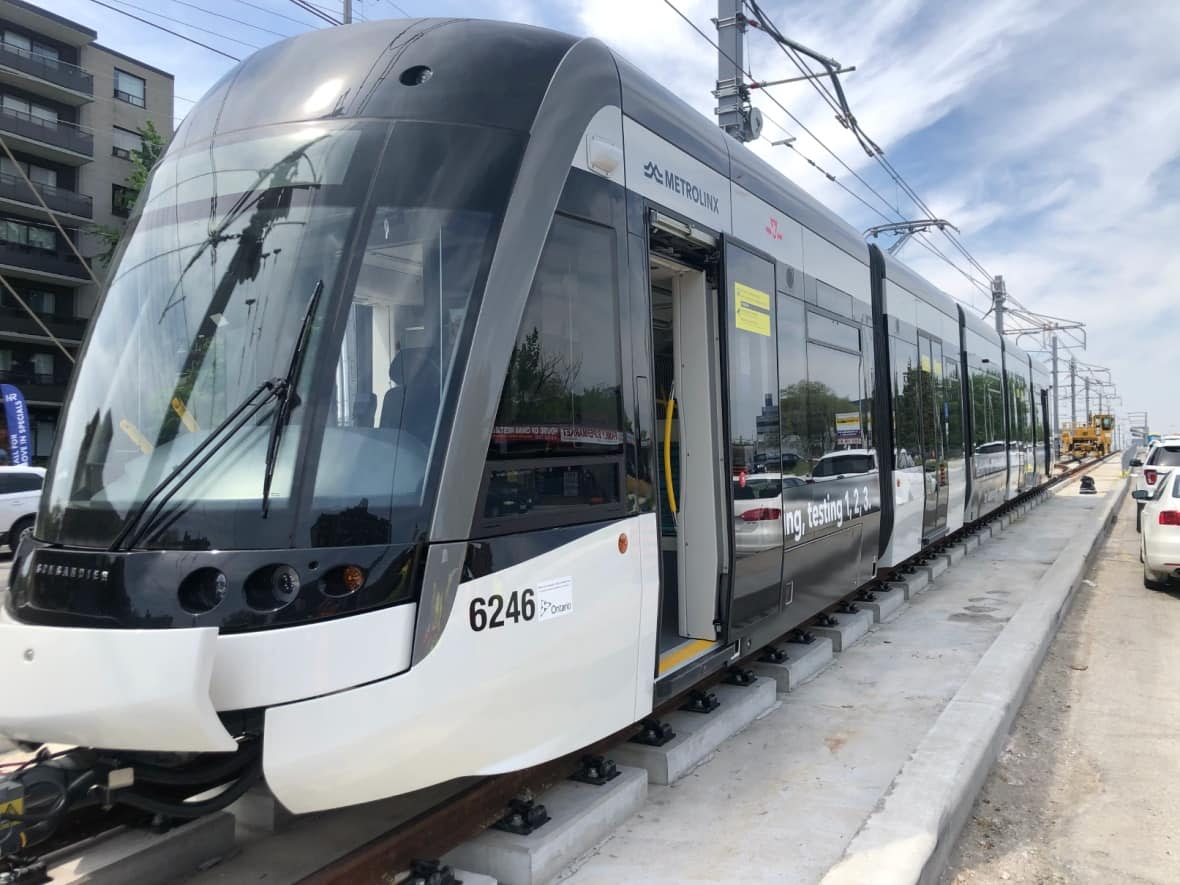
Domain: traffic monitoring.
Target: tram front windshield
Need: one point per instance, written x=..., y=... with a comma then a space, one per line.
x=395, y=224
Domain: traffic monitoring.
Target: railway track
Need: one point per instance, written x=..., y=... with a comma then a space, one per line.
x=405, y=853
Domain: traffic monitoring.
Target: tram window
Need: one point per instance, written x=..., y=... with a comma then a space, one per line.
x=829, y=331
x=562, y=397
x=954, y=406
x=906, y=438
x=753, y=362
x=834, y=415
x=792, y=373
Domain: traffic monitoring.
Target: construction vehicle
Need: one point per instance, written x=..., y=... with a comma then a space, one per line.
x=1093, y=438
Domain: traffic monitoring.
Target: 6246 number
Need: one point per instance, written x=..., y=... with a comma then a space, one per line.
x=491, y=613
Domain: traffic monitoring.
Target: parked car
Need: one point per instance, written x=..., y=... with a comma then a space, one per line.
x=847, y=462
x=1162, y=456
x=1137, y=459
x=758, y=510
x=1159, y=545
x=20, y=496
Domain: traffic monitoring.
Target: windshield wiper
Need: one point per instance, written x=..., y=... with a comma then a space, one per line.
x=287, y=394
x=136, y=526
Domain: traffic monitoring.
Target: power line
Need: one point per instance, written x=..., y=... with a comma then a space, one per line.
x=229, y=18
x=178, y=21
x=314, y=10
x=276, y=13
x=166, y=30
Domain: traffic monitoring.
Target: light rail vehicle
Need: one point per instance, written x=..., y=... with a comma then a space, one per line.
x=459, y=394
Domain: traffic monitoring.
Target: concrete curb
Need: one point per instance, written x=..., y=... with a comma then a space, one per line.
x=910, y=835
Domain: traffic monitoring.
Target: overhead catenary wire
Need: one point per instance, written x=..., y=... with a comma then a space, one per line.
x=922, y=239
x=846, y=118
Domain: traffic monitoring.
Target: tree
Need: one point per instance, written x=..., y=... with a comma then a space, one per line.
x=143, y=160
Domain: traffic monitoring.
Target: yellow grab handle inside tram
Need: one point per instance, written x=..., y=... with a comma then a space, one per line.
x=668, y=410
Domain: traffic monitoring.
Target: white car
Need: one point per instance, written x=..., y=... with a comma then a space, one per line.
x=758, y=511
x=1162, y=456
x=20, y=496
x=846, y=462
x=1159, y=547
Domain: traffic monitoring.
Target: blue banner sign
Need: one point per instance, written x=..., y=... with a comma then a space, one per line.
x=16, y=417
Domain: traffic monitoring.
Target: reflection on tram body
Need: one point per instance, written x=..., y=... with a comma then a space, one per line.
x=758, y=512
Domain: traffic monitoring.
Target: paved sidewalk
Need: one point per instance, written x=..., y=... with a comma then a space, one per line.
x=1087, y=789
x=781, y=801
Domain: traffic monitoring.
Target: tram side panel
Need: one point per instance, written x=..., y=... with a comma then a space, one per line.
x=984, y=412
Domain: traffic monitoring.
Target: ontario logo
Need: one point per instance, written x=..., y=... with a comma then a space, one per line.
x=681, y=186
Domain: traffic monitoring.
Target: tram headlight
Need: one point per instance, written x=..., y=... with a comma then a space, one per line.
x=272, y=587
x=202, y=591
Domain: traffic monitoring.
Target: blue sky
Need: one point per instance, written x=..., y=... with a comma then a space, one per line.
x=1048, y=132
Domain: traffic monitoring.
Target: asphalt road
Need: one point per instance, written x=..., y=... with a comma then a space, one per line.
x=1088, y=788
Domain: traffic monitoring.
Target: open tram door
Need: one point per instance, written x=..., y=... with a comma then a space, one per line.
x=694, y=556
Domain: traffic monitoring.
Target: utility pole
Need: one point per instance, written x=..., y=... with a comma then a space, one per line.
x=1087, y=380
x=999, y=293
x=347, y=16
x=1056, y=391
x=734, y=112
x=1073, y=392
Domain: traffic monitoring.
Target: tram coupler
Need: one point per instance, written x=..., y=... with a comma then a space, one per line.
x=523, y=817
x=823, y=619
x=847, y=608
x=739, y=676
x=653, y=733
x=772, y=655
x=700, y=702
x=801, y=637
x=595, y=770
x=430, y=872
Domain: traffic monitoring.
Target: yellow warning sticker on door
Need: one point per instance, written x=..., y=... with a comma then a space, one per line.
x=751, y=309
x=12, y=806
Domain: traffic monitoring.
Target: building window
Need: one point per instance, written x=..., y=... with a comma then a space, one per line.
x=41, y=175
x=18, y=107
x=43, y=367
x=125, y=143
x=5, y=360
x=130, y=88
x=28, y=235
x=122, y=200
x=22, y=45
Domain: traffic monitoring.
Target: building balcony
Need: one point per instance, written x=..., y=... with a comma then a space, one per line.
x=13, y=187
x=36, y=388
x=48, y=77
x=32, y=263
x=16, y=321
x=54, y=139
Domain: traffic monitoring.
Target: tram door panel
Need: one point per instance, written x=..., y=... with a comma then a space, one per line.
x=685, y=346
x=756, y=494
x=933, y=423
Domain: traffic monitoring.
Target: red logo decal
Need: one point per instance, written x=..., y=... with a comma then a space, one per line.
x=772, y=229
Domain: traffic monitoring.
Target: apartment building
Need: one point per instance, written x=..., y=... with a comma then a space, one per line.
x=70, y=111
